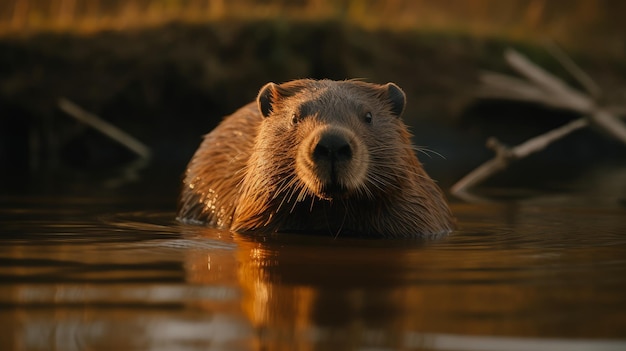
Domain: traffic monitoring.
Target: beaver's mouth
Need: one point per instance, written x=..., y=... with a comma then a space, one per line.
x=333, y=190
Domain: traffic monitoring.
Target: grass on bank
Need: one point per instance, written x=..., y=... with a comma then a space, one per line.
x=582, y=24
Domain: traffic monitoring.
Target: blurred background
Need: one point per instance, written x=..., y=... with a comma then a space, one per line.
x=166, y=71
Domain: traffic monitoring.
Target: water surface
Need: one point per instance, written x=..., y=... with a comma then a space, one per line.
x=118, y=272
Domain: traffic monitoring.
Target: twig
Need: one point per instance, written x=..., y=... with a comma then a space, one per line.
x=505, y=155
x=544, y=88
x=581, y=76
x=500, y=86
x=549, y=83
x=105, y=128
x=609, y=124
x=576, y=101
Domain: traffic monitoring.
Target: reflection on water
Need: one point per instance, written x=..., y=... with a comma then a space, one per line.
x=109, y=274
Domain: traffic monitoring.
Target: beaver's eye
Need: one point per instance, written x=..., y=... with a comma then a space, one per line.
x=295, y=119
x=368, y=118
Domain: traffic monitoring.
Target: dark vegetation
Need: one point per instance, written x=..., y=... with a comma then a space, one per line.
x=169, y=82
x=175, y=82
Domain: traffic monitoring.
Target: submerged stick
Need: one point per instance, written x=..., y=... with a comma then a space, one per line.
x=105, y=128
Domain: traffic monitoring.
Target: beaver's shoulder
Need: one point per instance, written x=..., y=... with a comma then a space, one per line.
x=209, y=193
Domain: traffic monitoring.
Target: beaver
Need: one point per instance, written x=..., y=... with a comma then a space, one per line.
x=315, y=156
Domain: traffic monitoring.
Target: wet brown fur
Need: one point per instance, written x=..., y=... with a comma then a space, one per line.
x=254, y=173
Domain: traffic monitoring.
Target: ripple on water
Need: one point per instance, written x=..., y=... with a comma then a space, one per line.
x=512, y=269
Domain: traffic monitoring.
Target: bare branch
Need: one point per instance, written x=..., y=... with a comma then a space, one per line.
x=479, y=175
x=105, y=128
x=540, y=142
x=500, y=86
x=609, y=124
x=547, y=89
x=581, y=76
x=504, y=155
x=548, y=82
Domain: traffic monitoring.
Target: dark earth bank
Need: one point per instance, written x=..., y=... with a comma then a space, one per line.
x=168, y=85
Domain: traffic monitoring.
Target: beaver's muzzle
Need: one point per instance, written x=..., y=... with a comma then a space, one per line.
x=331, y=149
x=333, y=163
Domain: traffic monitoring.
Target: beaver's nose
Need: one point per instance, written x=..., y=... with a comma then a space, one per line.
x=332, y=147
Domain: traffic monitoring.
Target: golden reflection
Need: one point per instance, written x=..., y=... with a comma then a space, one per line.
x=309, y=292
x=532, y=271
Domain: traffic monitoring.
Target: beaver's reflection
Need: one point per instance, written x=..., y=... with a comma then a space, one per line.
x=304, y=289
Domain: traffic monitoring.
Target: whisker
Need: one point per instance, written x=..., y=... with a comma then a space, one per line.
x=418, y=149
x=428, y=152
x=343, y=221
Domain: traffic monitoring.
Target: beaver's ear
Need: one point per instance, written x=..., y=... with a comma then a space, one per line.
x=397, y=98
x=266, y=98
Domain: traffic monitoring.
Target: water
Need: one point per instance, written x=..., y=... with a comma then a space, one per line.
x=533, y=270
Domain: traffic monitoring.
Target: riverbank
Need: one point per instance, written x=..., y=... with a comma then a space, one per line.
x=168, y=85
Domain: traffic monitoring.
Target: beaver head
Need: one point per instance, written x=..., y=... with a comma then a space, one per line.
x=324, y=141
x=326, y=135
